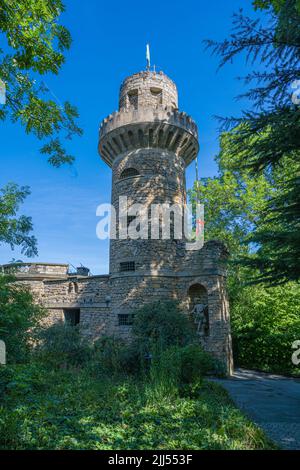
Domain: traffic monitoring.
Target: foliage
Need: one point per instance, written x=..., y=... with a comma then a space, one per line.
x=62, y=345
x=72, y=396
x=177, y=370
x=19, y=316
x=15, y=230
x=277, y=5
x=46, y=408
x=237, y=210
x=233, y=200
x=161, y=324
x=34, y=43
x=114, y=356
x=265, y=323
x=196, y=362
x=164, y=373
x=268, y=132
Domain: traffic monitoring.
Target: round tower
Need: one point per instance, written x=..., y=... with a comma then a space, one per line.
x=148, y=144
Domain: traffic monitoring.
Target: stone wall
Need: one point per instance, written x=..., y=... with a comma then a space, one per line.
x=36, y=270
x=129, y=291
x=148, y=89
x=157, y=169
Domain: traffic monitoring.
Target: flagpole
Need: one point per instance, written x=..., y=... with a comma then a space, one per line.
x=148, y=56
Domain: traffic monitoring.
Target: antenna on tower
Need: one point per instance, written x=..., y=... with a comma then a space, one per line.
x=148, y=56
x=197, y=178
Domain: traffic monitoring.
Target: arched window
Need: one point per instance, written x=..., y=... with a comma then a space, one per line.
x=129, y=173
x=73, y=288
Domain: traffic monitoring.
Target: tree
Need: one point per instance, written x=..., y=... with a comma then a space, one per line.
x=18, y=316
x=265, y=321
x=238, y=209
x=35, y=46
x=15, y=230
x=269, y=133
x=233, y=200
x=277, y=5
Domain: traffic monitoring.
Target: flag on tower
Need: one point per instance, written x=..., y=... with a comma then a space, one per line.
x=148, y=56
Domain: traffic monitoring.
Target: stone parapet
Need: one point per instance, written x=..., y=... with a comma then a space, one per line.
x=148, y=88
x=148, y=127
x=36, y=270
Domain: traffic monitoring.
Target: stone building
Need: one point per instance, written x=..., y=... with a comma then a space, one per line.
x=148, y=144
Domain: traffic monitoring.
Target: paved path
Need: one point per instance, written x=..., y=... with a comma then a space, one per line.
x=271, y=401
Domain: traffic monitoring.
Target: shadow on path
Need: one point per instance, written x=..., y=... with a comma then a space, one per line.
x=271, y=401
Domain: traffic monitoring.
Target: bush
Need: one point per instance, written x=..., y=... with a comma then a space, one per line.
x=183, y=365
x=265, y=323
x=163, y=324
x=6, y=375
x=163, y=348
x=164, y=373
x=62, y=345
x=195, y=363
x=179, y=371
x=19, y=316
x=114, y=356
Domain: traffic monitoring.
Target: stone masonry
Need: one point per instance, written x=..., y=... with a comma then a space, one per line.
x=148, y=144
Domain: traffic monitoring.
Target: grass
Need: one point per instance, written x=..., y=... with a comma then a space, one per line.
x=76, y=409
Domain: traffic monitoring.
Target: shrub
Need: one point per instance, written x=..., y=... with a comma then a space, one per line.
x=165, y=370
x=19, y=316
x=6, y=375
x=113, y=356
x=265, y=323
x=195, y=363
x=62, y=345
x=163, y=324
x=179, y=371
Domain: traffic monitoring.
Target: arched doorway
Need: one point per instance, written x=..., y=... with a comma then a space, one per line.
x=198, y=301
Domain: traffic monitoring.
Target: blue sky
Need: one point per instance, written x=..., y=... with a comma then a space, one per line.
x=109, y=41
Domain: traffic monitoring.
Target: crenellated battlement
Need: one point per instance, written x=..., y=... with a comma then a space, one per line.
x=38, y=270
x=162, y=113
x=148, y=127
x=148, y=88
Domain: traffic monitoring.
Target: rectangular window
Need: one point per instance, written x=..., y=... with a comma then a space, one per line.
x=72, y=316
x=127, y=266
x=125, y=319
x=133, y=96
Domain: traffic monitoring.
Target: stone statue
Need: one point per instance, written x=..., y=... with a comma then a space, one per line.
x=200, y=315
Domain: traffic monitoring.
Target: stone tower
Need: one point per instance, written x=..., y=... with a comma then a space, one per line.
x=148, y=143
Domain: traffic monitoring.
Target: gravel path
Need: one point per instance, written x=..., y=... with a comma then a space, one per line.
x=271, y=401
